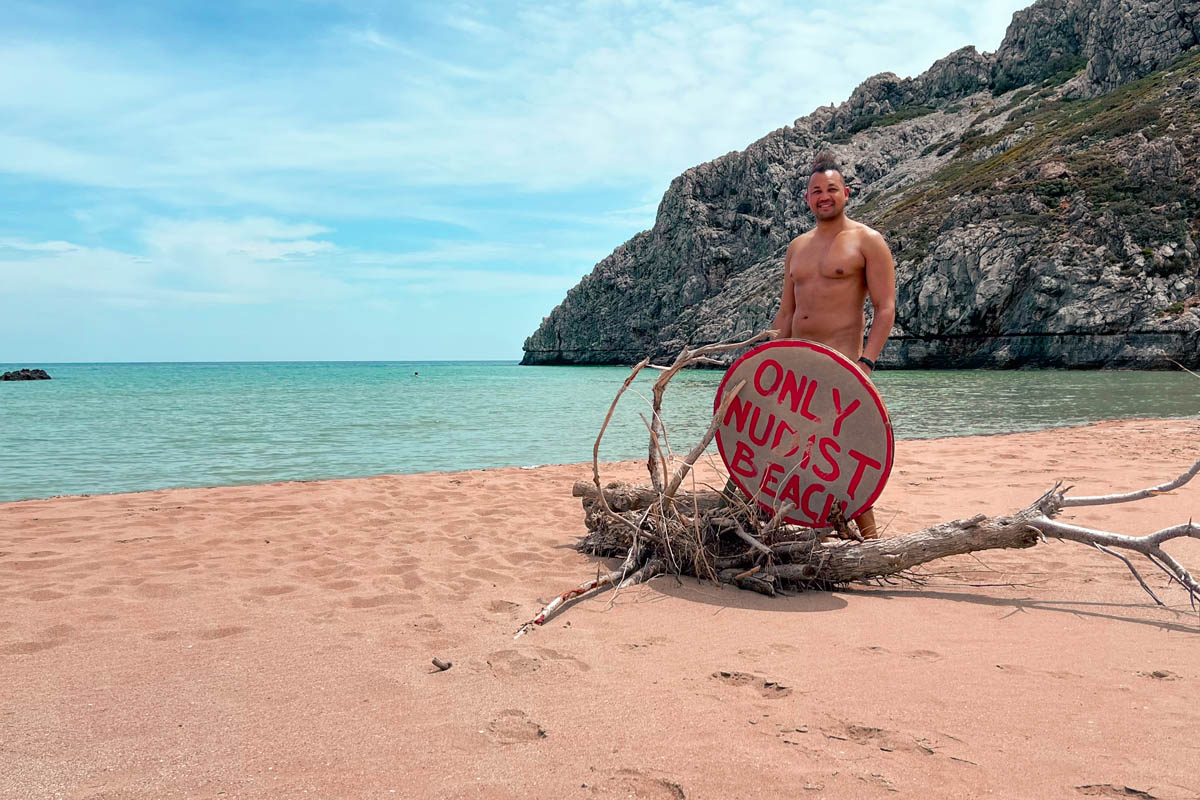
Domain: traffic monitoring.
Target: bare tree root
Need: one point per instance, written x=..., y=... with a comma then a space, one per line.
x=723, y=537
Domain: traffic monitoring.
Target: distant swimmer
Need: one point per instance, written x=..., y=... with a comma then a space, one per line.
x=828, y=273
x=416, y=374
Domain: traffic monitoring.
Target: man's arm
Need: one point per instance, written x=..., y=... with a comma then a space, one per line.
x=881, y=288
x=787, y=300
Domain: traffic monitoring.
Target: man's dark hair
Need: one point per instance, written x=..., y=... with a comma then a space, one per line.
x=824, y=161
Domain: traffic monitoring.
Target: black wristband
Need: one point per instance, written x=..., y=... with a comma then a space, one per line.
x=870, y=364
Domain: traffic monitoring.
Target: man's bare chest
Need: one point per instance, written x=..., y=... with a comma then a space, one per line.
x=837, y=259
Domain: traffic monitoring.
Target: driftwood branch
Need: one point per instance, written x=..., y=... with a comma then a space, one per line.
x=1142, y=494
x=688, y=357
x=723, y=536
x=690, y=460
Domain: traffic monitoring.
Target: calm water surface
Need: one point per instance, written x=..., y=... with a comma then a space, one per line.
x=123, y=427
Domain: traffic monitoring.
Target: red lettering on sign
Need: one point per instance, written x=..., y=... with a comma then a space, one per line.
x=841, y=415
x=779, y=434
x=778, y=447
x=758, y=374
x=808, y=451
x=825, y=446
x=766, y=434
x=796, y=390
x=743, y=453
x=791, y=491
x=738, y=409
x=809, y=492
x=804, y=410
x=769, y=478
x=864, y=461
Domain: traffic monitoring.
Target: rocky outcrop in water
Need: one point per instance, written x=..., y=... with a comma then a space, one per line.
x=1041, y=203
x=25, y=375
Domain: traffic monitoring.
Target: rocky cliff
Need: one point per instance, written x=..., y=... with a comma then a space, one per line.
x=1041, y=202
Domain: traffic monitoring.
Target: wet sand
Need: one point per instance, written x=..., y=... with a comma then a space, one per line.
x=275, y=641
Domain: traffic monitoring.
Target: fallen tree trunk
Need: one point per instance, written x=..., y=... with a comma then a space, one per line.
x=723, y=537
x=628, y=497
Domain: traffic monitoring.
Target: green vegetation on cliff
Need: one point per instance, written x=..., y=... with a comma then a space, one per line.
x=1077, y=134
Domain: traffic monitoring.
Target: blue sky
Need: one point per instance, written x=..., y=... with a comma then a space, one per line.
x=376, y=180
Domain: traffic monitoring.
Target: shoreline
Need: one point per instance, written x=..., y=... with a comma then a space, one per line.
x=276, y=639
x=531, y=467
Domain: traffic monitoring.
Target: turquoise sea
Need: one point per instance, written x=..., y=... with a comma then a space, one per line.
x=100, y=428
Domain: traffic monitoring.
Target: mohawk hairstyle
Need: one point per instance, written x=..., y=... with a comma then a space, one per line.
x=824, y=161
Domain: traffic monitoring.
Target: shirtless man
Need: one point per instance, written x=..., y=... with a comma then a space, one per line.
x=830, y=271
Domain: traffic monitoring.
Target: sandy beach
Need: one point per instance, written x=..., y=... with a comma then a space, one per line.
x=276, y=641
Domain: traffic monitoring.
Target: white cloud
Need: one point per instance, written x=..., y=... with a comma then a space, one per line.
x=469, y=281
x=541, y=97
x=262, y=260
x=192, y=262
x=69, y=271
x=260, y=239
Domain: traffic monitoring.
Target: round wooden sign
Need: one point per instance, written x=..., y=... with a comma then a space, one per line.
x=807, y=428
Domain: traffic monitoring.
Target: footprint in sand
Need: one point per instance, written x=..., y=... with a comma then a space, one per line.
x=888, y=741
x=42, y=595
x=502, y=607
x=772, y=690
x=506, y=663
x=159, y=591
x=513, y=727
x=25, y=648
x=554, y=655
x=273, y=591
x=25, y=566
x=464, y=548
x=522, y=557
x=51, y=637
x=342, y=585
x=324, y=617
x=427, y=623
x=1015, y=669
x=1108, y=790
x=220, y=633
x=411, y=580
x=376, y=601
x=648, y=642
x=409, y=576
x=634, y=783
x=485, y=574
x=316, y=570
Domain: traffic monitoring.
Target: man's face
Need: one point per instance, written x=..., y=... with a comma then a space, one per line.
x=827, y=194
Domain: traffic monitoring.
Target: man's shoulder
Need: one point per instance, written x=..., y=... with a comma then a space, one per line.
x=803, y=238
x=865, y=231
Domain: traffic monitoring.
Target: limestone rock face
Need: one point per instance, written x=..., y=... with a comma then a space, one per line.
x=963, y=72
x=1121, y=40
x=1041, y=203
